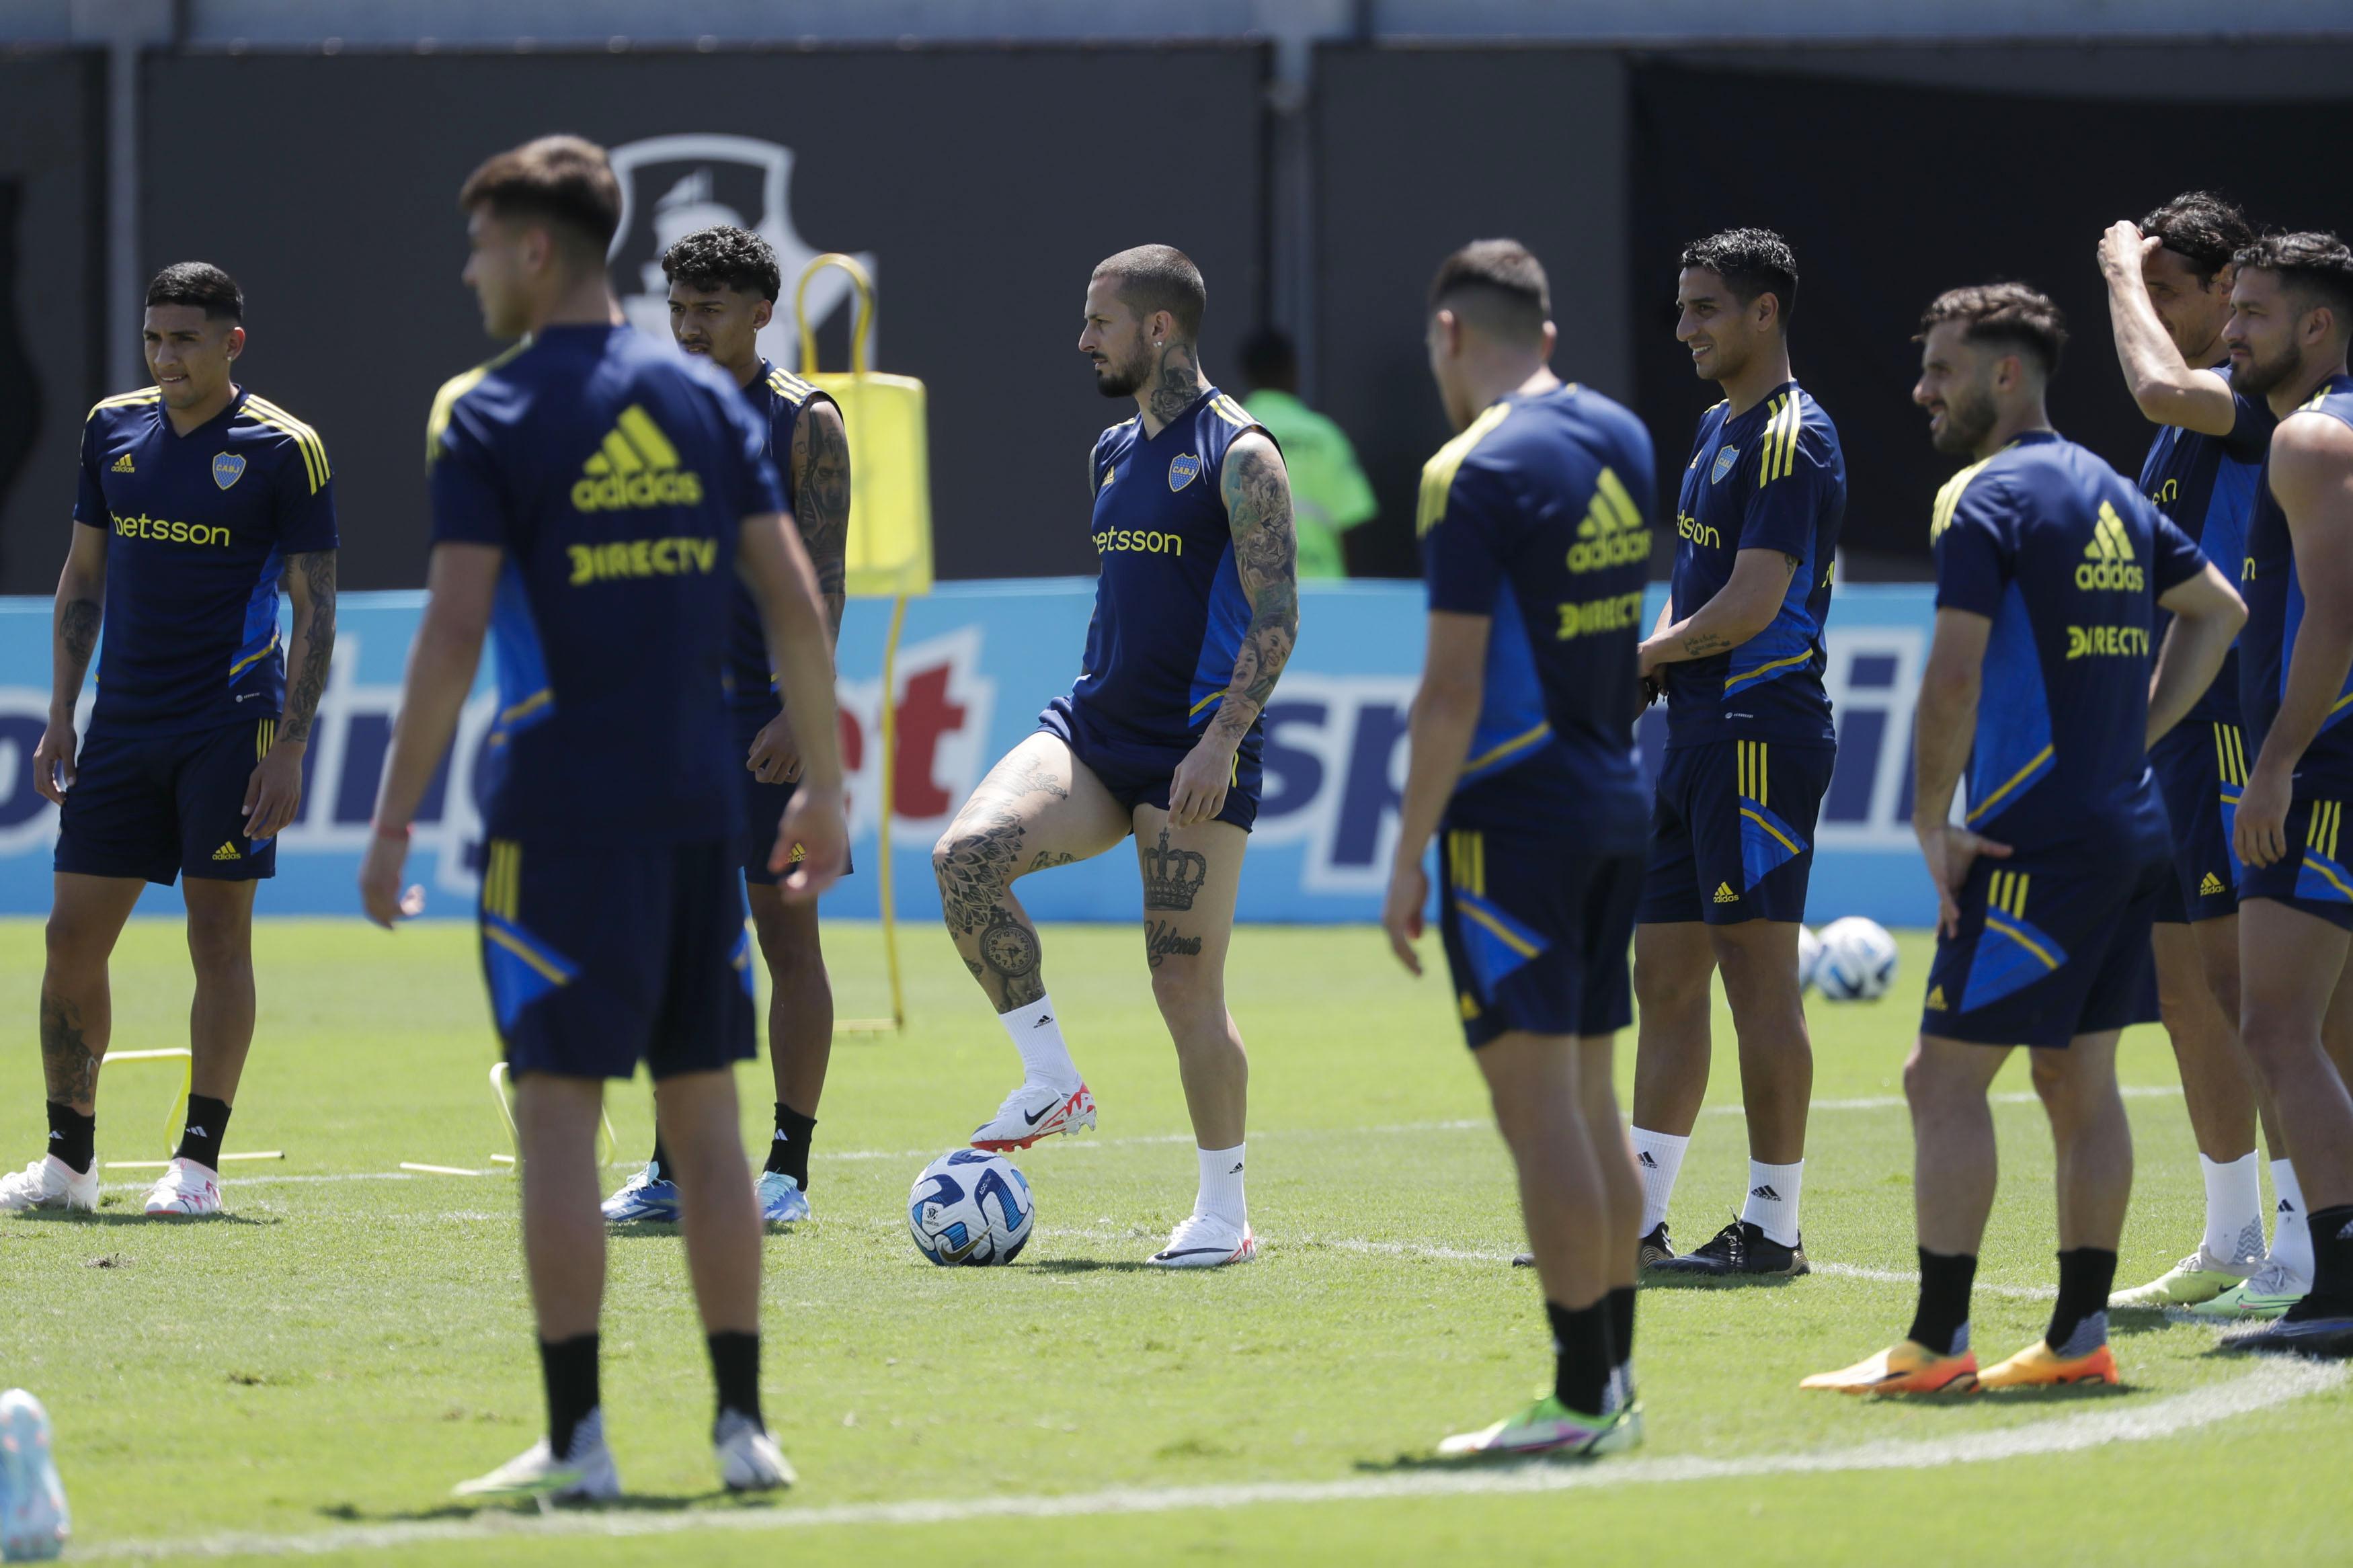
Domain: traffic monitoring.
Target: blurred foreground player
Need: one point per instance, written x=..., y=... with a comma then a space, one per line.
x=593, y=494
x=1523, y=750
x=2048, y=569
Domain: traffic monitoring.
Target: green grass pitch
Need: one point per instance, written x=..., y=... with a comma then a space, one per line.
x=311, y=1373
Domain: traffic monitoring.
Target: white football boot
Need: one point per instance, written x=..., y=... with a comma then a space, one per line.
x=49, y=1182
x=749, y=1459
x=1204, y=1241
x=585, y=1475
x=780, y=1198
x=1035, y=1111
x=34, y=1523
x=184, y=1188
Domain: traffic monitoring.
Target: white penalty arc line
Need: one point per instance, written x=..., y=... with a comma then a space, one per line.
x=2267, y=1387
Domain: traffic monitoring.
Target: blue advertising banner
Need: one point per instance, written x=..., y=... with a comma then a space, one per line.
x=976, y=661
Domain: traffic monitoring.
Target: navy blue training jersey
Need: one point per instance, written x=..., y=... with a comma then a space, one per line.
x=2274, y=612
x=777, y=398
x=2067, y=560
x=2206, y=484
x=615, y=475
x=1538, y=515
x=1169, y=607
x=198, y=529
x=1770, y=479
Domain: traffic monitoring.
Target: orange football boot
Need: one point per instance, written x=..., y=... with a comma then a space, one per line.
x=1909, y=1367
x=2040, y=1366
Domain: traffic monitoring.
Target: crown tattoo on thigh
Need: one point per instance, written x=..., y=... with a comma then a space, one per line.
x=1173, y=878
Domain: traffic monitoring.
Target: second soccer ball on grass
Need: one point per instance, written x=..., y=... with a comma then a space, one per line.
x=1857, y=960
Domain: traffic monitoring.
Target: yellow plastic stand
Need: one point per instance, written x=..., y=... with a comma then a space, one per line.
x=174, y=1111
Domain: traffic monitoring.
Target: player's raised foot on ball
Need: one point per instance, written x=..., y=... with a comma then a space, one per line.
x=1205, y=1241
x=49, y=1182
x=646, y=1196
x=1741, y=1251
x=1035, y=1111
x=2265, y=1294
x=1546, y=1426
x=184, y=1189
x=1654, y=1248
x=2199, y=1277
x=749, y=1459
x=1907, y=1367
x=585, y=1474
x=34, y=1523
x=2040, y=1366
x=781, y=1200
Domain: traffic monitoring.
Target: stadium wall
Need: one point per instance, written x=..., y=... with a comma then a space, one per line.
x=977, y=662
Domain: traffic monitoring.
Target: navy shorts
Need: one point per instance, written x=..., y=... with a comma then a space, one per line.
x=2048, y=951
x=160, y=806
x=2200, y=767
x=599, y=958
x=1138, y=773
x=2312, y=878
x=1732, y=832
x=764, y=807
x=1536, y=931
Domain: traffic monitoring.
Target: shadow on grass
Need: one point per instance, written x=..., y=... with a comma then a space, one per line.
x=138, y=1217
x=2138, y=1320
x=1501, y=1464
x=1656, y=1280
x=1101, y=1265
x=525, y=1508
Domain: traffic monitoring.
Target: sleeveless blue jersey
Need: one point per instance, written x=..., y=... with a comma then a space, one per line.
x=2274, y=612
x=2206, y=484
x=778, y=398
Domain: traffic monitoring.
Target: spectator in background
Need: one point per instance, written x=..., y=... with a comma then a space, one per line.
x=1329, y=494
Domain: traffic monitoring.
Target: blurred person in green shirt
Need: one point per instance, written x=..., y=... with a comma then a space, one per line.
x=1328, y=492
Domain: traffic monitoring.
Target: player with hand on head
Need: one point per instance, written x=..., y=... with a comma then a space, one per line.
x=1534, y=524
x=199, y=498
x=1195, y=615
x=2050, y=568
x=723, y=284
x=593, y=496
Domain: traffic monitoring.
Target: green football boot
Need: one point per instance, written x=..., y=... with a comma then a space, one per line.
x=2200, y=1277
x=1546, y=1426
x=2264, y=1296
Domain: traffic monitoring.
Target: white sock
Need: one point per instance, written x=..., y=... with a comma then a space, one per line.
x=1657, y=1156
x=2235, y=1209
x=2290, y=1236
x=1772, y=1206
x=1222, y=1186
x=1034, y=1033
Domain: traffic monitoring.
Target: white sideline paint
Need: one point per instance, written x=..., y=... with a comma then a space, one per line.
x=2264, y=1388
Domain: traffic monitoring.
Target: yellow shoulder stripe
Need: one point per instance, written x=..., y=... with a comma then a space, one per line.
x=1437, y=474
x=123, y=400
x=313, y=451
x=1232, y=413
x=1949, y=499
x=456, y=387
x=786, y=384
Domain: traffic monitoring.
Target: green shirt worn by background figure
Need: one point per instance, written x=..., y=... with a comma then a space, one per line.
x=1328, y=491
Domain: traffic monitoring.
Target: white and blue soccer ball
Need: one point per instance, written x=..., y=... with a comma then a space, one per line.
x=971, y=1207
x=1809, y=956
x=1857, y=963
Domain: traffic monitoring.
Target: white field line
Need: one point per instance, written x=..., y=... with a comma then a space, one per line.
x=2265, y=1387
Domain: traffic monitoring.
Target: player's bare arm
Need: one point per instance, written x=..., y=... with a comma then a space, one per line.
x=2312, y=477
x=2206, y=615
x=1445, y=717
x=1257, y=494
x=273, y=796
x=1943, y=726
x=2167, y=388
x=73, y=638
x=1751, y=598
x=773, y=565
x=820, y=475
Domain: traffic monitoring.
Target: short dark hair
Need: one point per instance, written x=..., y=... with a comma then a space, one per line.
x=1155, y=278
x=2011, y=314
x=1269, y=356
x=725, y=257
x=2202, y=228
x=2312, y=265
x=1498, y=281
x=563, y=181
x=1751, y=261
x=201, y=284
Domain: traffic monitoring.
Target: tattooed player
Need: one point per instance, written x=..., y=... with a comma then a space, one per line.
x=1195, y=615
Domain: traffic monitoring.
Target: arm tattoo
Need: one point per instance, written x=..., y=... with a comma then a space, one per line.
x=76, y=634
x=66, y=1062
x=1176, y=383
x=310, y=680
x=1266, y=558
x=820, y=463
x=1706, y=643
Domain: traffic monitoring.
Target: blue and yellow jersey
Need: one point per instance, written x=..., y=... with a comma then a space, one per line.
x=614, y=474
x=777, y=398
x=198, y=528
x=1538, y=516
x=2067, y=560
x=1169, y=607
x=1770, y=479
x=2274, y=612
x=2206, y=484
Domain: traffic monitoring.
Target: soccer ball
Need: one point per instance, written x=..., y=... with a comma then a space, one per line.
x=1857, y=961
x=1809, y=956
x=971, y=1206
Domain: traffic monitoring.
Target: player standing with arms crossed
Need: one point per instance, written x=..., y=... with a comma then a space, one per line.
x=1535, y=523
x=198, y=498
x=1195, y=615
x=592, y=496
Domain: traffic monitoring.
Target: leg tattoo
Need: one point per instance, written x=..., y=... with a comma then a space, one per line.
x=67, y=1064
x=1009, y=948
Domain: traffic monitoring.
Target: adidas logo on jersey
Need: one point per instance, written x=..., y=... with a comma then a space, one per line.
x=1724, y=895
x=227, y=852
x=635, y=466
x=2212, y=887
x=1612, y=533
x=1470, y=1008
x=2107, y=560
x=1935, y=1003
x=122, y=465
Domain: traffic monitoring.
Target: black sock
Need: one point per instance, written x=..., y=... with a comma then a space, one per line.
x=569, y=1369
x=735, y=1367
x=660, y=1161
x=72, y=1137
x=200, y=1138
x=1621, y=1323
x=1581, y=1360
x=2332, y=1257
x=789, y=1147
x=2079, y=1324
x=1942, y=1321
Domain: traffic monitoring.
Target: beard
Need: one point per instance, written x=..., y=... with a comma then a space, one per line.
x=2260, y=376
x=1118, y=381
x=1968, y=414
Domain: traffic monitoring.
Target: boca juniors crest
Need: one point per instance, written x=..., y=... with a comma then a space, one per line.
x=1724, y=458
x=1182, y=469
x=227, y=469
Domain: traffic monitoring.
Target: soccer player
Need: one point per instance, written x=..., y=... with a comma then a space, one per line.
x=1195, y=615
x=592, y=495
x=2290, y=314
x=2168, y=279
x=198, y=498
x=723, y=284
x=1739, y=652
x=2049, y=567
x=1535, y=523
